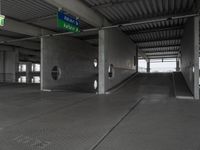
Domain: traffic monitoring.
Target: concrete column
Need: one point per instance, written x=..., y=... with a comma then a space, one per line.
x=4, y=67
x=137, y=63
x=8, y=66
x=190, y=55
x=177, y=65
x=118, y=52
x=196, y=57
x=16, y=65
x=148, y=66
x=41, y=65
x=102, y=62
x=28, y=72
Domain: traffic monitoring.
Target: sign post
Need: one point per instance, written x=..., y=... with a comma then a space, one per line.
x=68, y=22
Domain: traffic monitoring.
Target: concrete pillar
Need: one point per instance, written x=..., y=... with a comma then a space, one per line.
x=190, y=55
x=196, y=57
x=117, y=59
x=41, y=65
x=28, y=72
x=148, y=66
x=16, y=65
x=137, y=63
x=4, y=67
x=8, y=65
x=177, y=65
x=102, y=71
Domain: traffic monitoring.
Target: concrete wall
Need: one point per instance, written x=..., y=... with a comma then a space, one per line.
x=1, y=62
x=115, y=48
x=8, y=65
x=190, y=54
x=75, y=59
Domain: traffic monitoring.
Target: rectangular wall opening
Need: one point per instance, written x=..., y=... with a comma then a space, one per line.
x=158, y=65
x=163, y=65
x=142, y=65
x=28, y=72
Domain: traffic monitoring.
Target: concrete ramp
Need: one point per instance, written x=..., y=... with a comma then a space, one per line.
x=181, y=89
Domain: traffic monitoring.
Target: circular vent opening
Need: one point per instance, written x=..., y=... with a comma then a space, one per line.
x=95, y=63
x=95, y=84
x=56, y=73
x=111, y=71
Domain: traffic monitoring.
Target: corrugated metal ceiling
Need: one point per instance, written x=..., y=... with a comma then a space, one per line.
x=125, y=10
x=36, y=12
x=164, y=37
x=149, y=35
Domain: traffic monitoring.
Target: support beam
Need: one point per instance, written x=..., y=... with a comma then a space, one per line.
x=166, y=56
x=28, y=72
x=148, y=66
x=117, y=59
x=158, y=40
x=21, y=28
x=190, y=55
x=26, y=58
x=81, y=10
x=20, y=49
x=142, y=54
x=197, y=5
x=8, y=66
x=162, y=53
x=172, y=48
x=178, y=65
x=24, y=44
x=112, y=4
x=159, y=46
x=196, y=57
x=154, y=30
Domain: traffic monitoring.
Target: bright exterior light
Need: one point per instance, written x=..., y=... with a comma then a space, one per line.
x=2, y=20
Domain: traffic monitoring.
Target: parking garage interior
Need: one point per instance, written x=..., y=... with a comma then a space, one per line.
x=99, y=74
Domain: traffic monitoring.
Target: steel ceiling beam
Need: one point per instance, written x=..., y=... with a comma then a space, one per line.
x=157, y=40
x=159, y=46
x=34, y=20
x=161, y=56
x=89, y=37
x=160, y=51
x=81, y=10
x=142, y=54
x=21, y=28
x=24, y=44
x=20, y=49
x=142, y=31
x=113, y=4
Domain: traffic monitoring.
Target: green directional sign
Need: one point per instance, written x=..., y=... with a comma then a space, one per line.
x=67, y=26
x=67, y=22
x=2, y=20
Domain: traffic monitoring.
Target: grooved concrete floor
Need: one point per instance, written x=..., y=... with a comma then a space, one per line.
x=31, y=120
